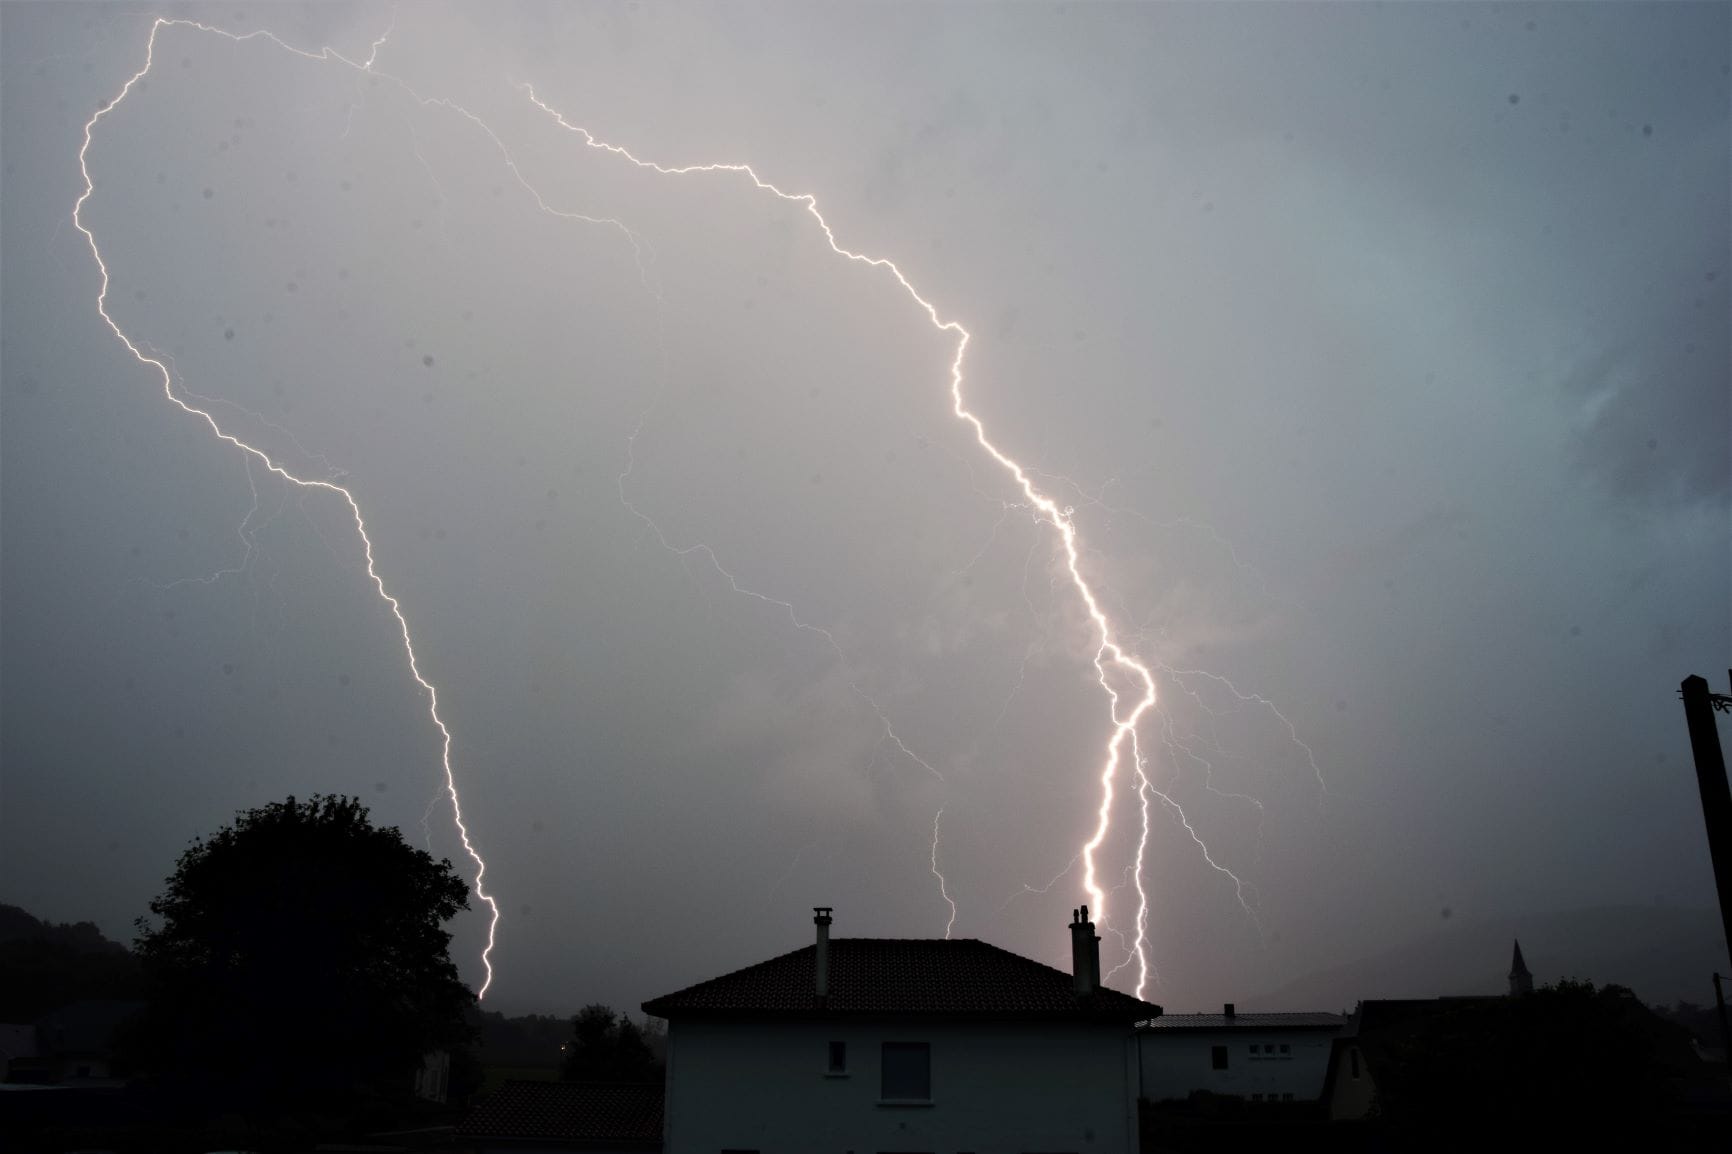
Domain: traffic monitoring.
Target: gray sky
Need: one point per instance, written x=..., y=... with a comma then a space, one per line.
x=1381, y=352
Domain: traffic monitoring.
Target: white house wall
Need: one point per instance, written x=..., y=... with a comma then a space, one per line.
x=997, y=1088
x=1177, y=1062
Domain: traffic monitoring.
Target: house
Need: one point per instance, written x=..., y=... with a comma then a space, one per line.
x=1350, y=1086
x=872, y=1044
x=17, y=1044
x=1381, y=1026
x=1258, y=1057
x=600, y=1117
x=75, y=1043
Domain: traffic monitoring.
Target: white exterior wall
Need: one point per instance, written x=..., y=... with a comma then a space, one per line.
x=1176, y=1062
x=16, y=1041
x=997, y=1088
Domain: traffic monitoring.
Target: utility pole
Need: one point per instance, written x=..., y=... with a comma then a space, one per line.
x=1699, y=708
x=1725, y=1029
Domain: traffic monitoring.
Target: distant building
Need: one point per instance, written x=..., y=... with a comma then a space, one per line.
x=17, y=1044
x=600, y=1117
x=1258, y=1057
x=874, y=1044
x=1520, y=981
x=1364, y=1046
x=432, y=1079
x=1350, y=1086
x=75, y=1044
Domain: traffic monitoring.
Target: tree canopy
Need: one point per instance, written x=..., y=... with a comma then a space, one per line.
x=302, y=948
x=606, y=1048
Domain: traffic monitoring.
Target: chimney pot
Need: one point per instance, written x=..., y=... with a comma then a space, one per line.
x=1085, y=954
x=1227, y=1009
x=821, y=963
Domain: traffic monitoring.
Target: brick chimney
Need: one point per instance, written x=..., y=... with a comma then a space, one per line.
x=1085, y=953
x=1227, y=1012
x=821, y=966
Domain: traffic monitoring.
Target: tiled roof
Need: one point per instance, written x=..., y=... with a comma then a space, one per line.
x=962, y=977
x=569, y=1111
x=1296, y=1021
x=1378, y=1016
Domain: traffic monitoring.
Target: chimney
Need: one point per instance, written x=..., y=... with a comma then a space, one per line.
x=821, y=967
x=1227, y=1012
x=1085, y=953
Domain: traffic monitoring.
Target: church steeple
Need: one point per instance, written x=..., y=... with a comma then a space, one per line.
x=1520, y=981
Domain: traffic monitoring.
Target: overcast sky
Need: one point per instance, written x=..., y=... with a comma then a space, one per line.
x=1381, y=352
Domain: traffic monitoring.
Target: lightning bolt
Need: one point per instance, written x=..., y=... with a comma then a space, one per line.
x=943, y=887
x=787, y=607
x=1045, y=889
x=1264, y=702
x=1126, y=708
x=252, y=452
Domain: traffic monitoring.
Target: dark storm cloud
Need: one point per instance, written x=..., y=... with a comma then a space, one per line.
x=1653, y=422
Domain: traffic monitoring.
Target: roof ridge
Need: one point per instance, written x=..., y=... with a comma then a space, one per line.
x=966, y=976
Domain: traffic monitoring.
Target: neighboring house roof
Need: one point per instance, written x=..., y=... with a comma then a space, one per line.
x=1376, y=1023
x=574, y=1112
x=964, y=977
x=1293, y=1021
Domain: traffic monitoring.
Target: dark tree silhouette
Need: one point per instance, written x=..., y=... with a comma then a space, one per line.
x=1570, y=1055
x=302, y=954
x=606, y=1048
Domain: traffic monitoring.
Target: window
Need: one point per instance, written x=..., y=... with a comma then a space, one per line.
x=1285, y=1048
x=1253, y=1047
x=838, y=1058
x=1286, y=1097
x=907, y=1071
x=1218, y=1057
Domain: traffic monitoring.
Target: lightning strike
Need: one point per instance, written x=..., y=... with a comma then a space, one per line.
x=943, y=886
x=373, y=53
x=252, y=452
x=1045, y=889
x=1142, y=934
x=787, y=607
x=788, y=872
x=249, y=543
x=1110, y=651
x=1258, y=699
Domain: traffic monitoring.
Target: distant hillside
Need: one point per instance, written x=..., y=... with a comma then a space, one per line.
x=44, y=966
x=1665, y=955
x=17, y=925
